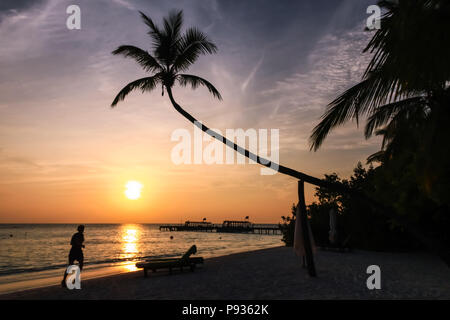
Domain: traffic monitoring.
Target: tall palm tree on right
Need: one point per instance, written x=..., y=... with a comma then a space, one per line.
x=405, y=96
x=408, y=75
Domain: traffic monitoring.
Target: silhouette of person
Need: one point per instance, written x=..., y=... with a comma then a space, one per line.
x=76, y=252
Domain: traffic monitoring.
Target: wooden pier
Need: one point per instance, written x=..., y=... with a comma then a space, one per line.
x=225, y=227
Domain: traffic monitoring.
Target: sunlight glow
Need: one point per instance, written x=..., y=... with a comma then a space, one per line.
x=130, y=266
x=133, y=190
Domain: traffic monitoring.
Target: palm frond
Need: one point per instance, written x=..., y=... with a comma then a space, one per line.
x=144, y=84
x=167, y=49
x=383, y=114
x=418, y=28
x=191, y=45
x=146, y=60
x=173, y=23
x=378, y=156
x=357, y=101
x=194, y=81
x=154, y=32
x=386, y=132
x=402, y=124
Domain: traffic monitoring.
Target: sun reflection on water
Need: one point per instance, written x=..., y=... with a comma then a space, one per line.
x=130, y=250
x=130, y=266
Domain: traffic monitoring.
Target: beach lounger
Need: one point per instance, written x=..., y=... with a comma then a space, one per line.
x=170, y=263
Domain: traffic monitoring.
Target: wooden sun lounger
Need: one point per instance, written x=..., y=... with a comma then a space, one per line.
x=171, y=263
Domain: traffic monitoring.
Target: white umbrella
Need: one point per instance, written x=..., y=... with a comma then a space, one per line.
x=299, y=247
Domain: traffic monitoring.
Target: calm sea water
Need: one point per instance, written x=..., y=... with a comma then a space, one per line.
x=37, y=250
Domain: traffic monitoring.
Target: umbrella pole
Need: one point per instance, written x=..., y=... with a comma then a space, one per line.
x=305, y=229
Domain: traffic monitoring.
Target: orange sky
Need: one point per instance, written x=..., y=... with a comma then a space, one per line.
x=65, y=155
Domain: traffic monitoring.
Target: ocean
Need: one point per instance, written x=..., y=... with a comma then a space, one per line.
x=33, y=255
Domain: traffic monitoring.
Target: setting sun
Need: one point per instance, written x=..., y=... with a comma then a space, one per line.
x=133, y=190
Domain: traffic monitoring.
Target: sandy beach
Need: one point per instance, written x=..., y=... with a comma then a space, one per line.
x=273, y=273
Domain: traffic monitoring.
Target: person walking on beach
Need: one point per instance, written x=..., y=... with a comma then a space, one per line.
x=76, y=252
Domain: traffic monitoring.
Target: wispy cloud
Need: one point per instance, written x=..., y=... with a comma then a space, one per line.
x=252, y=73
x=125, y=4
x=335, y=64
x=278, y=66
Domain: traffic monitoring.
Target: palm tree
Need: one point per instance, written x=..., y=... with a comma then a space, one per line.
x=174, y=53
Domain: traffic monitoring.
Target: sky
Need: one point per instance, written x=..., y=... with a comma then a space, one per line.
x=65, y=155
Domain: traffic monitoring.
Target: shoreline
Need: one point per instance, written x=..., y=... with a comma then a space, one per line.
x=42, y=282
x=48, y=278
x=273, y=273
x=33, y=259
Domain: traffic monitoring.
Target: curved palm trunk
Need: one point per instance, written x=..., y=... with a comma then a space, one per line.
x=433, y=244
x=262, y=161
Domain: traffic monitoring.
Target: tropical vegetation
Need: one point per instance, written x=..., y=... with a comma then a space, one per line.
x=404, y=96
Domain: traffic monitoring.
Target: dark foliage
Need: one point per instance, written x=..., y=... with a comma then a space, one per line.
x=358, y=225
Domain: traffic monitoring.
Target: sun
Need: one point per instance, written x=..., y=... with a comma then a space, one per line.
x=133, y=190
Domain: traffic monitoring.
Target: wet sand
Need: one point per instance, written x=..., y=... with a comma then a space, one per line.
x=273, y=273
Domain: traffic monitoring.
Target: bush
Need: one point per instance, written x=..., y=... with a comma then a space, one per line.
x=288, y=226
x=358, y=225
